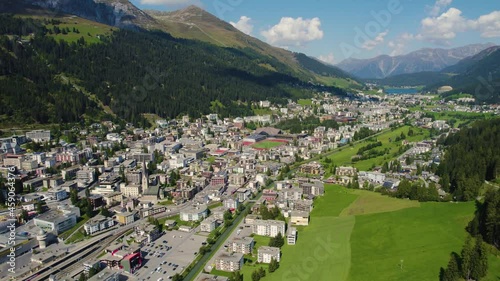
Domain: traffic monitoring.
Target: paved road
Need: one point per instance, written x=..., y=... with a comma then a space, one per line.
x=197, y=269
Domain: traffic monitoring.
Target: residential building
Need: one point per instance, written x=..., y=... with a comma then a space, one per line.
x=346, y=171
x=299, y=218
x=126, y=218
x=38, y=135
x=147, y=233
x=229, y=262
x=70, y=173
x=242, y=245
x=113, y=198
x=58, y=221
x=134, y=190
x=208, y=224
x=58, y=194
x=291, y=238
x=194, y=213
x=265, y=254
x=34, y=184
x=269, y=228
x=231, y=204
x=313, y=168
x=243, y=194
x=97, y=224
x=96, y=201
x=151, y=211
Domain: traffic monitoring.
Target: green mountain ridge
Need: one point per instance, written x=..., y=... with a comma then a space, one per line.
x=188, y=72
x=129, y=73
x=196, y=23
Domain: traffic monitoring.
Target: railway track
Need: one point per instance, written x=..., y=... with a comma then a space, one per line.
x=64, y=267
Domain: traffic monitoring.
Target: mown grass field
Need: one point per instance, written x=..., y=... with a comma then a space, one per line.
x=372, y=202
x=90, y=31
x=267, y=144
x=344, y=156
x=360, y=235
x=305, y=102
x=338, y=82
x=419, y=238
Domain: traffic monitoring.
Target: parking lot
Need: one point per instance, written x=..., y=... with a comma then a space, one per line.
x=169, y=255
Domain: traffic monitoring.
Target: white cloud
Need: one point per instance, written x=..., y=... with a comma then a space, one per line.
x=330, y=58
x=489, y=25
x=398, y=45
x=445, y=27
x=438, y=7
x=244, y=25
x=290, y=31
x=379, y=39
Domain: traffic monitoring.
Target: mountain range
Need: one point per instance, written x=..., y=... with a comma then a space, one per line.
x=418, y=61
x=191, y=22
x=477, y=75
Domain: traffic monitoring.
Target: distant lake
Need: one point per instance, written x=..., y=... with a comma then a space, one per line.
x=401, y=91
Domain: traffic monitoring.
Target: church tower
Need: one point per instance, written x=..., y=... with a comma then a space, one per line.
x=145, y=177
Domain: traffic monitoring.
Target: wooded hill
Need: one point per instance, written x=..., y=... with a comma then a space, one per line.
x=132, y=72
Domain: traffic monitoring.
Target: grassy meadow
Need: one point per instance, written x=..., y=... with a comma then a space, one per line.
x=360, y=235
x=344, y=156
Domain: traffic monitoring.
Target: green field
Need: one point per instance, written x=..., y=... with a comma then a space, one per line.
x=305, y=102
x=361, y=235
x=338, y=82
x=89, y=30
x=372, y=202
x=267, y=144
x=419, y=238
x=343, y=157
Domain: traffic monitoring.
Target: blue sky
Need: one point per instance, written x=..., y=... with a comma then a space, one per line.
x=334, y=30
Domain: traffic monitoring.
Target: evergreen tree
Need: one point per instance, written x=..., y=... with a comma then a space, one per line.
x=468, y=259
x=480, y=260
x=39, y=207
x=105, y=212
x=177, y=277
x=277, y=241
x=255, y=275
x=24, y=215
x=236, y=276
x=262, y=272
x=452, y=272
x=73, y=195
x=264, y=212
x=273, y=266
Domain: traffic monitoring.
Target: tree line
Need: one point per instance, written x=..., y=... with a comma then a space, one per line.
x=471, y=158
